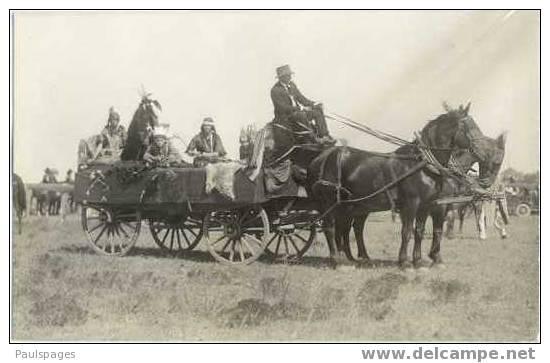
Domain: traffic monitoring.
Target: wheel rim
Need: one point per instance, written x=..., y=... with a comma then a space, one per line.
x=523, y=210
x=236, y=237
x=177, y=237
x=290, y=242
x=111, y=233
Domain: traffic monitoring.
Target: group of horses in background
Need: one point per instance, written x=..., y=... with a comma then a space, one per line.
x=36, y=199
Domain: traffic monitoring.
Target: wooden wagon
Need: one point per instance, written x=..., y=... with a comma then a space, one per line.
x=117, y=199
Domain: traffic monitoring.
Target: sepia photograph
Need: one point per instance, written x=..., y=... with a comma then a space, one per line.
x=275, y=176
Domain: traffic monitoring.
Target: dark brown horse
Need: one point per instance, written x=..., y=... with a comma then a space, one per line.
x=19, y=200
x=145, y=119
x=400, y=180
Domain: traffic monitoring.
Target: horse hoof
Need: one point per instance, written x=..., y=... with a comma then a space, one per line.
x=504, y=236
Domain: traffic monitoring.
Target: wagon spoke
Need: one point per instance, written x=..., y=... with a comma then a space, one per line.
x=111, y=236
x=218, y=240
x=185, y=237
x=100, y=234
x=232, y=250
x=123, y=231
x=191, y=231
x=178, y=238
x=271, y=240
x=244, y=240
x=165, y=235
x=171, y=239
x=241, y=253
x=278, y=245
x=225, y=246
x=96, y=227
x=254, y=239
x=128, y=224
x=300, y=237
x=286, y=245
x=293, y=244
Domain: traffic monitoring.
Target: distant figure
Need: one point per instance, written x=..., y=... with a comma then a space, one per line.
x=296, y=112
x=49, y=176
x=69, y=177
x=206, y=147
x=161, y=152
x=70, y=206
x=113, y=136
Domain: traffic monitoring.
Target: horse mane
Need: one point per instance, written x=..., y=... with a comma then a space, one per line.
x=135, y=143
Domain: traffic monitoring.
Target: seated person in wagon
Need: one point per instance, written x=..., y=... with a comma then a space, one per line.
x=206, y=147
x=296, y=112
x=113, y=136
x=161, y=152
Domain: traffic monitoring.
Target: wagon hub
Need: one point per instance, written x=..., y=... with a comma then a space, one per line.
x=232, y=230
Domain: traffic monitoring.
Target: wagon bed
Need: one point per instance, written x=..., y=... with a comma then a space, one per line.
x=117, y=198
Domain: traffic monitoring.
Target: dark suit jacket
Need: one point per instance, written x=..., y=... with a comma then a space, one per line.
x=282, y=102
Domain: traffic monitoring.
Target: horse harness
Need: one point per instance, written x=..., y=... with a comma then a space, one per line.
x=338, y=184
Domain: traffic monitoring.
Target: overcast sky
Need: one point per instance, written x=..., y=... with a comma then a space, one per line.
x=388, y=69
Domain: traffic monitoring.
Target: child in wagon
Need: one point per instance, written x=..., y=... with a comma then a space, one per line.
x=161, y=152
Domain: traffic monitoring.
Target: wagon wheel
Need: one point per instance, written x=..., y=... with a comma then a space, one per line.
x=523, y=210
x=289, y=242
x=236, y=237
x=111, y=233
x=177, y=236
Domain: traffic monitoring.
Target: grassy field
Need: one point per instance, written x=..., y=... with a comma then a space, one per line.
x=489, y=291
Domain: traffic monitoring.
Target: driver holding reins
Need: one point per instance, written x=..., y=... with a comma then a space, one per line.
x=295, y=111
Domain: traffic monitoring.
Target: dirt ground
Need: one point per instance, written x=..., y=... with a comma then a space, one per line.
x=63, y=291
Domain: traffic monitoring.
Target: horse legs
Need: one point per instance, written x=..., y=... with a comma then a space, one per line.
x=421, y=217
x=330, y=234
x=438, y=218
x=358, y=228
x=451, y=217
x=461, y=216
x=407, y=221
x=480, y=220
x=343, y=227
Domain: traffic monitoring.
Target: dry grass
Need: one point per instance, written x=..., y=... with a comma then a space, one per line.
x=489, y=291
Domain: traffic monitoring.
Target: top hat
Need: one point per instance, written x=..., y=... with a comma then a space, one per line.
x=283, y=71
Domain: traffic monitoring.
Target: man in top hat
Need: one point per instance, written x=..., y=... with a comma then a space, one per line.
x=113, y=136
x=161, y=152
x=207, y=145
x=294, y=110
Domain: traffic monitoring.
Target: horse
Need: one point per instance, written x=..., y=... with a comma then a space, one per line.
x=143, y=122
x=367, y=182
x=40, y=197
x=19, y=200
x=485, y=213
